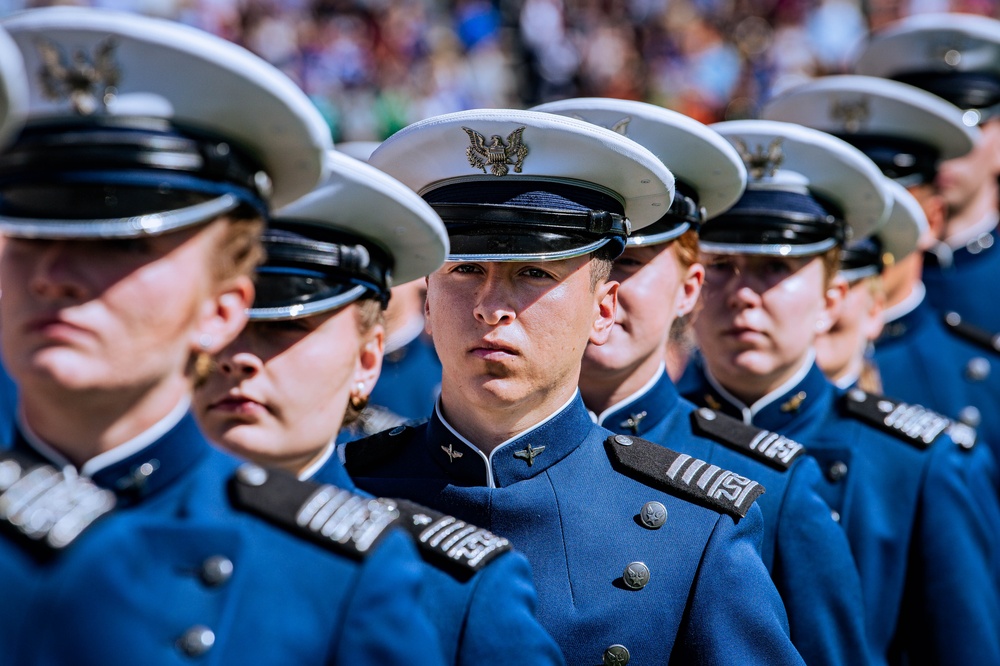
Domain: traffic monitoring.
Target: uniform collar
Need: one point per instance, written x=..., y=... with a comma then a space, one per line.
x=526, y=455
x=906, y=315
x=329, y=468
x=143, y=465
x=640, y=412
x=776, y=410
x=963, y=238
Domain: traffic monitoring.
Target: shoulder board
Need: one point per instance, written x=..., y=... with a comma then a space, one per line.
x=679, y=474
x=983, y=338
x=44, y=505
x=365, y=454
x=764, y=446
x=914, y=424
x=458, y=547
x=340, y=520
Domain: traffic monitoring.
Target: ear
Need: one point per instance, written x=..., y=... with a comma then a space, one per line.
x=875, y=321
x=223, y=315
x=427, y=306
x=606, y=302
x=369, y=365
x=935, y=210
x=833, y=301
x=689, y=290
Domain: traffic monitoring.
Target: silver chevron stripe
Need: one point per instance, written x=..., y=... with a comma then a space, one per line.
x=917, y=422
x=342, y=516
x=715, y=481
x=459, y=540
x=48, y=504
x=773, y=445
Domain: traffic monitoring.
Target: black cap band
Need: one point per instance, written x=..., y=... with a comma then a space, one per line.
x=913, y=162
x=966, y=90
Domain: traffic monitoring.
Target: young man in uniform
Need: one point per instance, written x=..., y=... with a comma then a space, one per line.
x=638, y=552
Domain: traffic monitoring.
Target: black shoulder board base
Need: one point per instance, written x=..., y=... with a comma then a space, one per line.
x=985, y=339
x=914, y=424
x=363, y=455
x=45, y=507
x=340, y=520
x=764, y=446
x=679, y=474
x=448, y=543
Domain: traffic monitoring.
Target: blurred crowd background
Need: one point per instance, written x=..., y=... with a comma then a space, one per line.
x=374, y=66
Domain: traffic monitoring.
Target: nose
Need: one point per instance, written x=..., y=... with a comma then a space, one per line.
x=238, y=364
x=493, y=305
x=54, y=274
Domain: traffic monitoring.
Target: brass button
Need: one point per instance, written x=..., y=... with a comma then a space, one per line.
x=653, y=515
x=623, y=440
x=616, y=655
x=636, y=576
x=196, y=641
x=216, y=570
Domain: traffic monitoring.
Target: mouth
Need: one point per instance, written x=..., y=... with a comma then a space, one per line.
x=54, y=327
x=492, y=351
x=238, y=405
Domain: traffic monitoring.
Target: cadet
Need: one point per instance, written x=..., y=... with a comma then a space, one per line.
x=625, y=383
x=907, y=132
x=919, y=511
x=131, y=205
x=411, y=371
x=311, y=354
x=956, y=56
x=536, y=205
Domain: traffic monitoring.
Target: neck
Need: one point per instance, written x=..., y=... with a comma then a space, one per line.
x=81, y=424
x=751, y=389
x=489, y=426
x=982, y=205
x=901, y=278
x=601, y=388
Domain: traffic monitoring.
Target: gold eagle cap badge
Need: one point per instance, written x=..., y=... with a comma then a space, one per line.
x=620, y=127
x=87, y=82
x=761, y=162
x=851, y=114
x=493, y=153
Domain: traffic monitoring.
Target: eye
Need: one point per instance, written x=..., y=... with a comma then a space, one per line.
x=778, y=267
x=536, y=273
x=284, y=326
x=465, y=268
x=627, y=263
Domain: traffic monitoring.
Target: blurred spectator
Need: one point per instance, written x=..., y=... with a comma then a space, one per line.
x=374, y=66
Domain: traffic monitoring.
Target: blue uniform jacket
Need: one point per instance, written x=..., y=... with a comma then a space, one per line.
x=175, y=575
x=805, y=551
x=486, y=619
x=922, y=522
x=969, y=285
x=922, y=362
x=705, y=596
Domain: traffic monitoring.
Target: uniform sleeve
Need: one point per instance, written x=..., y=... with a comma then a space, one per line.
x=384, y=624
x=816, y=576
x=734, y=614
x=501, y=627
x=951, y=611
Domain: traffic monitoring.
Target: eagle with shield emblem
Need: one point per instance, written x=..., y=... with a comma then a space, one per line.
x=495, y=154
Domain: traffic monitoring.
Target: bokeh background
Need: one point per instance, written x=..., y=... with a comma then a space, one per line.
x=374, y=66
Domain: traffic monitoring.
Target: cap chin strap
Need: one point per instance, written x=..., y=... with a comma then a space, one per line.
x=137, y=226
x=641, y=239
x=770, y=249
x=300, y=310
x=541, y=256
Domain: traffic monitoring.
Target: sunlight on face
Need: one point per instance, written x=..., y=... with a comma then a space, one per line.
x=508, y=333
x=278, y=393
x=759, y=318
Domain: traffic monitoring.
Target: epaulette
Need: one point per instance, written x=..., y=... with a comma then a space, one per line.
x=914, y=424
x=365, y=454
x=45, y=505
x=340, y=520
x=679, y=474
x=448, y=543
x=762, y=445
x=376, y=418
x=983, y=338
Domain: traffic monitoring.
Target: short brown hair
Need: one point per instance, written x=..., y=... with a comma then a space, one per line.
x=831, y=265
x=240, y=249
x=601, y=263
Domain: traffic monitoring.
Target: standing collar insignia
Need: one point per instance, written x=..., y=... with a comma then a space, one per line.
x=761, y=162
x=793, y=403
x=88, y=82
x=632, y=422
x=452, y=453
x=494, y=154
x=529, y=454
